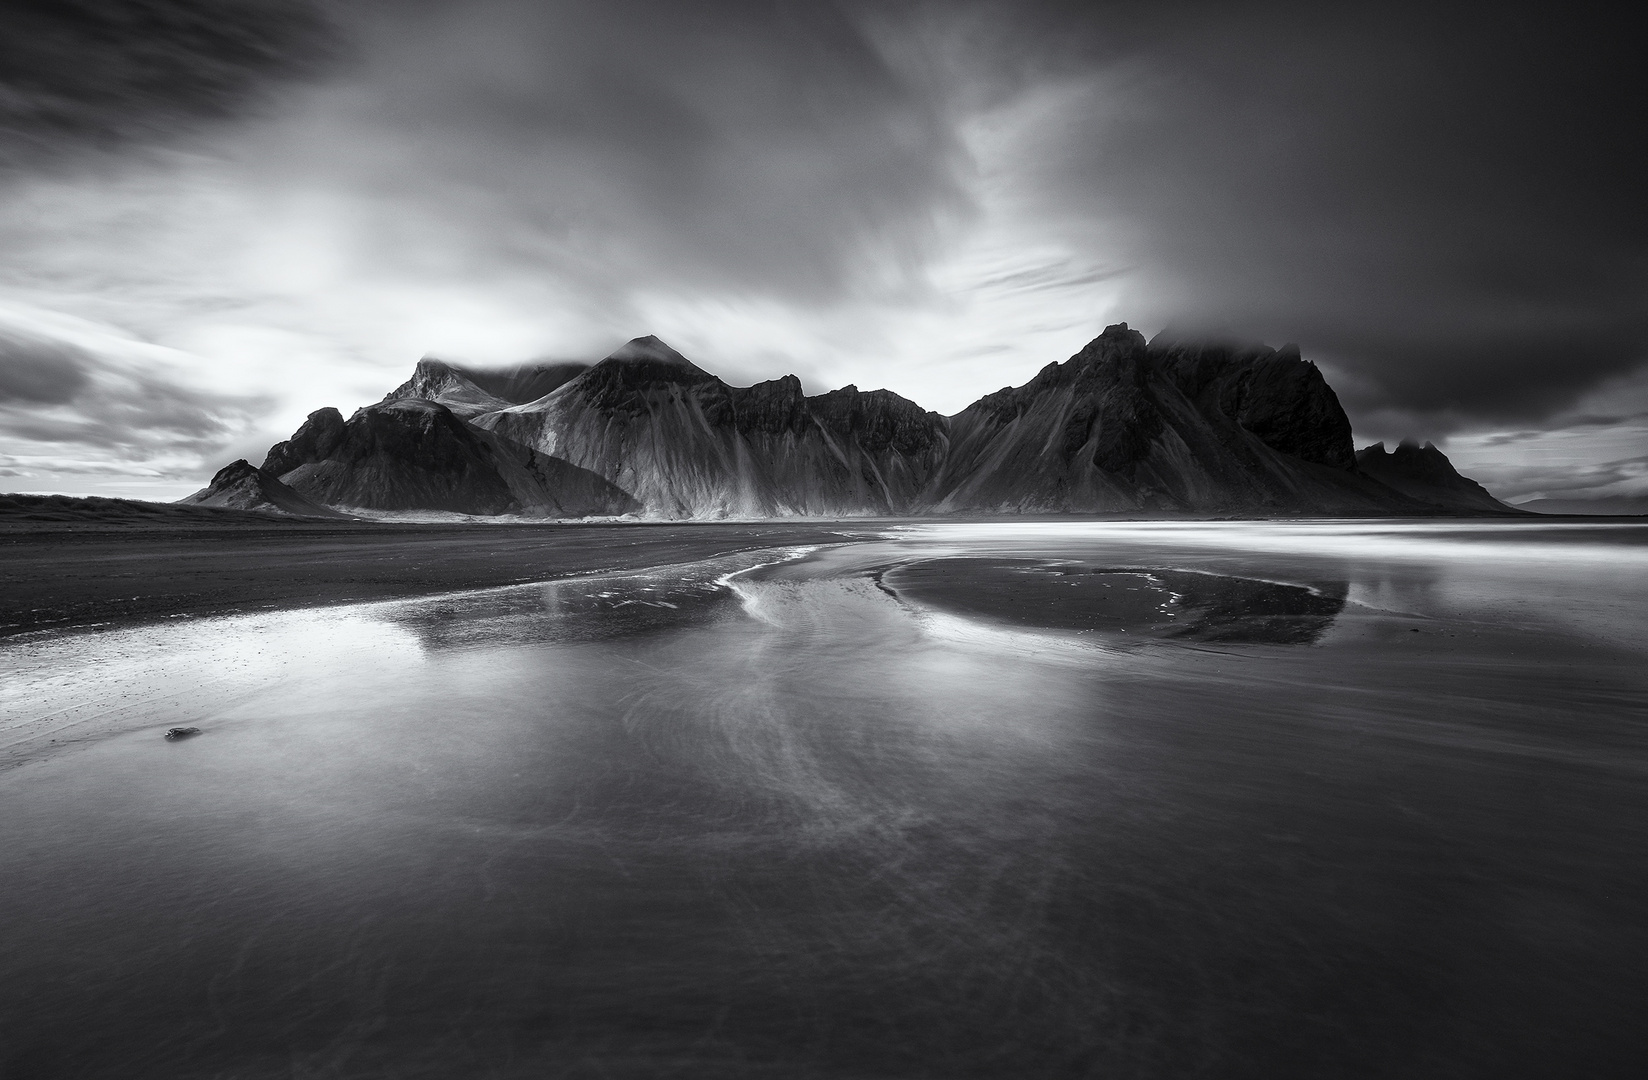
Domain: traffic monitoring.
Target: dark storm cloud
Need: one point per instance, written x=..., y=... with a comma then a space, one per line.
x=38, y=371
x=77, y=73
x=56, y=392
x=1440, y=202
x=1445, y=200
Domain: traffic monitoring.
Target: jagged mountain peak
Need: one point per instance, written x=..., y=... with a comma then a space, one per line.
x=879, y=419
x=414, y=453
x=638, y=366
x=436, y=380
x=469, y=392
x=647, y=349
x=1424, y=472
x=244, y=486
x=1128, y=424
x=430, y=372
x=1412, y=458
x=1173, y=424
x=1119, y=334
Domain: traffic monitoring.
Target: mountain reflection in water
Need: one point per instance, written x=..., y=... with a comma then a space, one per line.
x=913, y=807
x=1144, y=601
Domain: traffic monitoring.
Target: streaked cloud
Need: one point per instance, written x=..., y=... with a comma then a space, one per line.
x=260, y=207
x=90, y=75
x=77, y=400
x=1595, y=449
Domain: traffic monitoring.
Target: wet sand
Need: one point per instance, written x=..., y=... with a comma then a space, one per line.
x=907, y=807
x=121, y=569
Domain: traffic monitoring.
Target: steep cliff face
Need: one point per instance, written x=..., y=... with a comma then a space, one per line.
x=1126, y=425
x=890, y=441
x=685, y=444
x=414, y=454
x=1425, y=473
x=243, y=486
x=1273, y=394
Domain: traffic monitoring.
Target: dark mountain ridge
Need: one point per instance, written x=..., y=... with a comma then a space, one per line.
x=241, y=485
x=686, y=444
x=417, y=454
x=1124, y=426
x=1426, y=474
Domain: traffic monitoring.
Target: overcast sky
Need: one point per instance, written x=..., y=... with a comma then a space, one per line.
x=219, y=215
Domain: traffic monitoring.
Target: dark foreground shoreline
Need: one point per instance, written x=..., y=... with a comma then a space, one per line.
x=70, y=562
x=64, y=574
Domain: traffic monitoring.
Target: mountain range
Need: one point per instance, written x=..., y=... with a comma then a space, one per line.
x=1126, y=425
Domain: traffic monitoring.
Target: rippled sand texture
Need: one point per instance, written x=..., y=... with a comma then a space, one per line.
x=1004, y=800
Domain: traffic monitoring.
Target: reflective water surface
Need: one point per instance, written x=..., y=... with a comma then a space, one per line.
x=994, y=800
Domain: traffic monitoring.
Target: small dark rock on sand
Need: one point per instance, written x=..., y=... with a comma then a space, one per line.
x=181, y=732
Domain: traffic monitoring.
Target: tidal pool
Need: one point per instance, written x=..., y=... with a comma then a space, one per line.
x=969, y=800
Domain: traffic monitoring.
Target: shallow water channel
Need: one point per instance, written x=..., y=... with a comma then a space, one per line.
x=995, y=800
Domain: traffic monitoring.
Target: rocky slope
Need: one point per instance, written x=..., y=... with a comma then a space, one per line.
x=1425, y=473
x=413, y=454
x=686, y=444
x=243, y=486
x=468, y=392
x=1124, y=426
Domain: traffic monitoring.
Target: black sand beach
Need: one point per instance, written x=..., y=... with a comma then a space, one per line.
x=67, y=563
